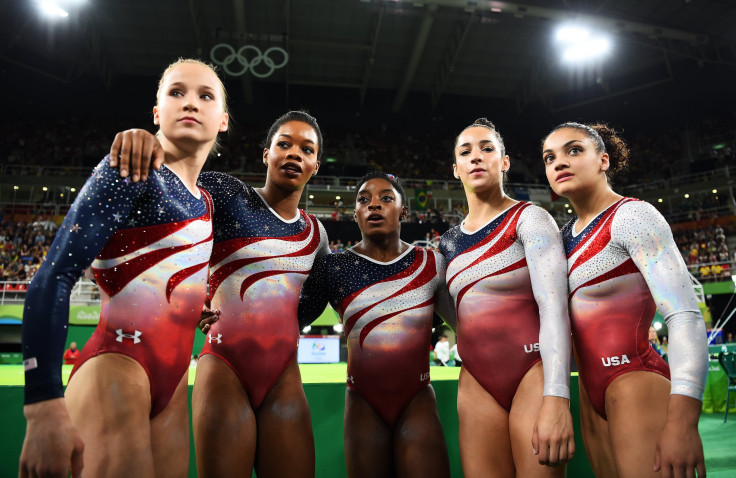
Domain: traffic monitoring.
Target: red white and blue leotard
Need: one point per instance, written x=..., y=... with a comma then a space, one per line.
x=258, y=266
x=387, y=309
x=508, y=283
x=150, y=243
x=622, y=267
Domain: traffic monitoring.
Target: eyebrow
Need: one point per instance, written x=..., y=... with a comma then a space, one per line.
x=180, y=84
x=564, y=145
x=387, y=190
x=482, y=142
x=290, y=137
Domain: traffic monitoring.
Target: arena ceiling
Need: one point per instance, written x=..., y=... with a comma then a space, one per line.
x=439, y=48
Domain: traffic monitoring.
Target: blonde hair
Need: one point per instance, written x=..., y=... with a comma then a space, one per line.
x=193, y=61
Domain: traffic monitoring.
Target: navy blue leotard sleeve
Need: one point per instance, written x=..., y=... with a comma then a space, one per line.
x=315, y=293
x=101, y=208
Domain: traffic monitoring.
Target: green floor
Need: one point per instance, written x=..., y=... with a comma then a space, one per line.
x=325, y=389
x=719, y=443
x=311, y=373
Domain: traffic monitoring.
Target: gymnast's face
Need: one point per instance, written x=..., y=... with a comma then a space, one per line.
x=378, y=208
x=572, y=164
x=479, y=159
x=292, y=155
x=191, y=105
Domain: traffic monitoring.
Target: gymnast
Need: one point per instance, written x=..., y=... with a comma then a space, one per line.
x=506, y=274
x=623, y=265
x=124, y=412
x=386, y=293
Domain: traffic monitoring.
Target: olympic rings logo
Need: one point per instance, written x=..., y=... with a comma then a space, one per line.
x=241, y=56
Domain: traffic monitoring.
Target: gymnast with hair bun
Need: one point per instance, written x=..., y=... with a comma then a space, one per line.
x=639, y=416
x=507, y=276
x=386, y=293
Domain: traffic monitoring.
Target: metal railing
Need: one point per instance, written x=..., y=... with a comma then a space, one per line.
x=84, y=292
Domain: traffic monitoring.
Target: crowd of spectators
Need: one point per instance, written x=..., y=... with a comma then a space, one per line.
x=23, y=246
x=705, y=251
x=417, y=155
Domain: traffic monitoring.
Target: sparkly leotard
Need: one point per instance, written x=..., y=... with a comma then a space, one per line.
x=150, y=243
x=388, y=312
x=622, y=267
x=508, y=283
x=259, y=263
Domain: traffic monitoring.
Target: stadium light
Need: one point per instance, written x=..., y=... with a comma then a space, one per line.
x=687, y=196
x=337, y=328
x=307, y=329
x=581, y=44
x=16, y=188
x=659, y=200
x=53, y=10
x=715, y=191
x=569, y=211
x=45, y=188
x=338, y=197
x=74, y=190
x=657, y=325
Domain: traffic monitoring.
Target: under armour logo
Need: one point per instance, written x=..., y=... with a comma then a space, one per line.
x=351, y=379
x=135, y=336
x=217, y=339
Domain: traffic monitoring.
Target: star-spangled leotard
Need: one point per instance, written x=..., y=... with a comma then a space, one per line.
x=622, y=267
x=387, y=309
x=508, y=283
x=150, y=243
x=259, y=263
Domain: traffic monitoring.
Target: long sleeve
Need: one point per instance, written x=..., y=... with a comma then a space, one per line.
x=443, y=303
x=547, y=263
x=100, y=209
x=314, y=295
x=647, y=238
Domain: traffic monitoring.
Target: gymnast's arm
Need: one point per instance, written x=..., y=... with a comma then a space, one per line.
x=647, y=237
x=443, y=303
x=552, y=438
x=314, y=294
x=101, y=206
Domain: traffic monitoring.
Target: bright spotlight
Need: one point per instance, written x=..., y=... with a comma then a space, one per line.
x=658, y=325
x=659, y=200
x=337, y=328
x=586, y=50
x=53, y=10
x=307, y=329
x=580, y=44
x=572, y=35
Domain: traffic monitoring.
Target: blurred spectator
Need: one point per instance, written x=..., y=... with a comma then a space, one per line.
x=654, y=341
x=71, y=354
x=442, y=351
